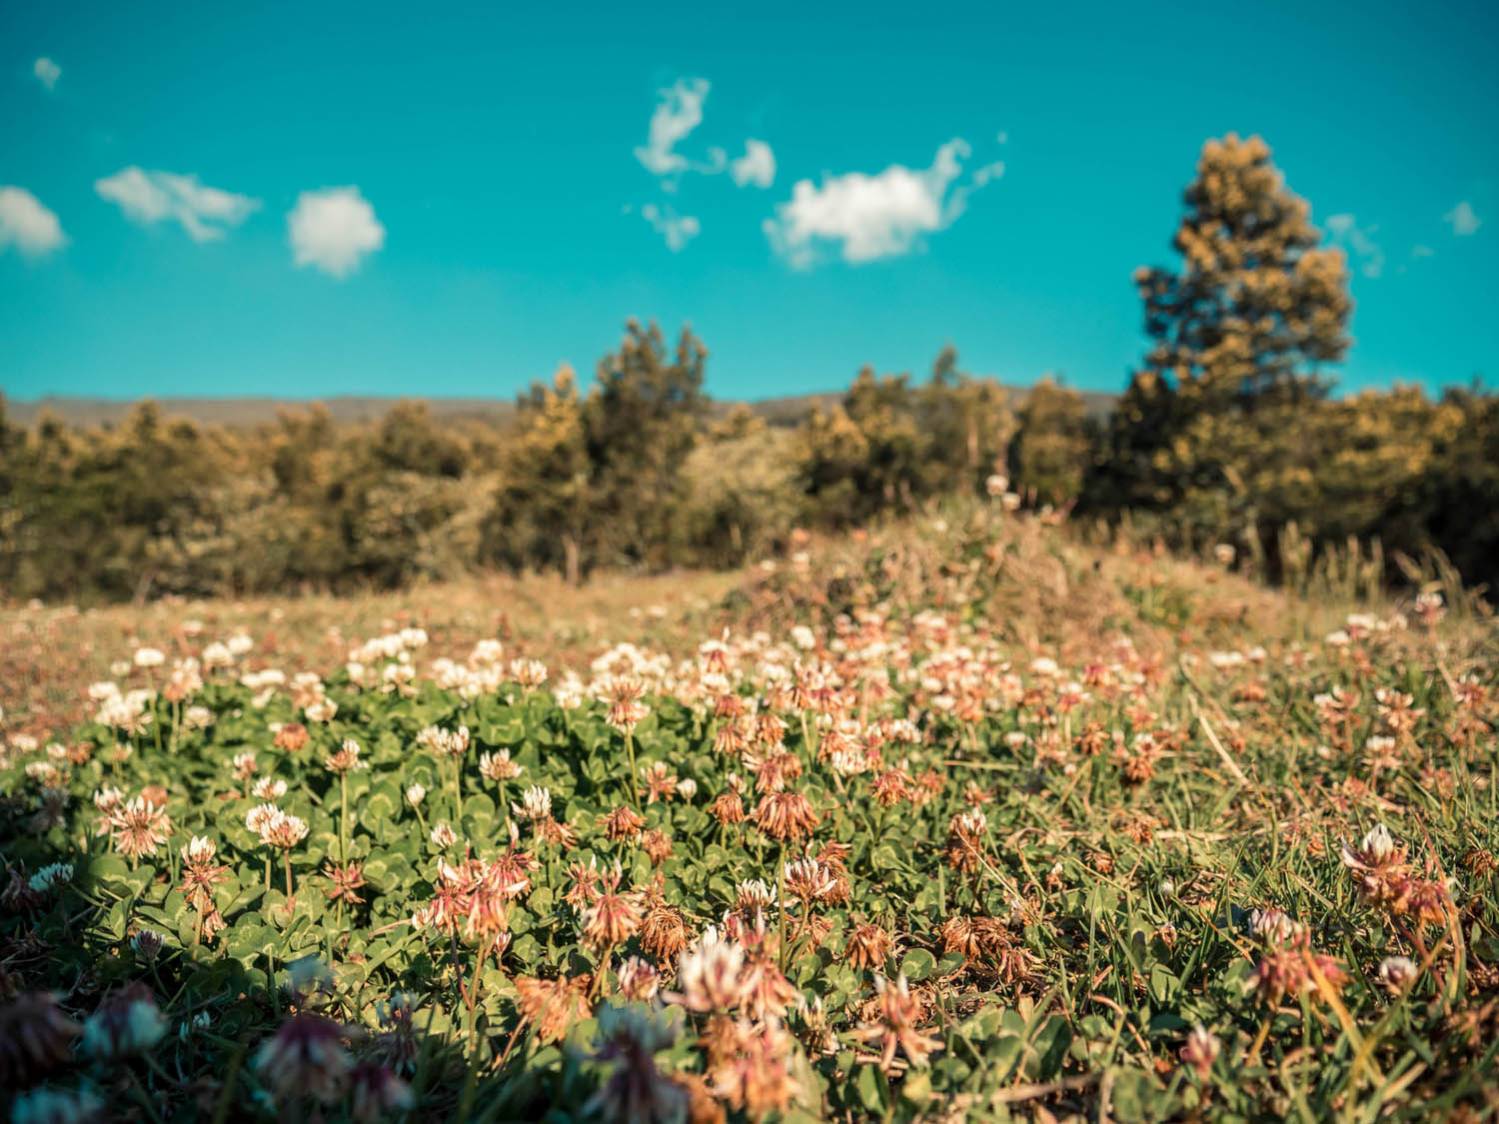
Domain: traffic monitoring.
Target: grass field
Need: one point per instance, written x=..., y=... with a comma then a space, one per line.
x=963, y=819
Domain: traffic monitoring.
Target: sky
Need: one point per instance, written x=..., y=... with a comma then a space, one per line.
x=313, y=199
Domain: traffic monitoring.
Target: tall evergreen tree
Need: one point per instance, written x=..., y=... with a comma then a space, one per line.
x=1239, y=333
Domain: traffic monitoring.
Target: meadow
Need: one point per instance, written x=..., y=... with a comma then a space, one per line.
x=957, y=817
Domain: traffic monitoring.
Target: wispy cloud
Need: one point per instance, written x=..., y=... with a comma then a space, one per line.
x=677, y=114
x=47, y=72
x=1463, y=219
x=27, y=224
x=757, y=166
x=677, y=230
x=1359, y=242
x=205, y=213
x=867, y=217
x=1422, y=251
x=333, y=230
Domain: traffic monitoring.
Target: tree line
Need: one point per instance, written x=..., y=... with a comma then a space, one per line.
x=1226, y=434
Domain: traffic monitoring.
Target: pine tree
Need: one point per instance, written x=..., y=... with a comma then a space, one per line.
x=1239, y=333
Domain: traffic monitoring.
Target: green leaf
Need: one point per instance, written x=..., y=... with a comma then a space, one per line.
x=918, y=964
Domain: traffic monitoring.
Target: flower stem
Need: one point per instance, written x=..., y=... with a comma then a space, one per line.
x=630, y=793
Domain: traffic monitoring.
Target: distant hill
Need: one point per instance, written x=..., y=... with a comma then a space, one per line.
x=787, y=410
x=248, y=411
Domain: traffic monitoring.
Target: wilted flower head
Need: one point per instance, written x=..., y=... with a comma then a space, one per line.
x=868, y=946
x=623, y=823
x=808, y=880
x=626, y=711
x=293, y=736
x=895, y=1026
x=553, y=1006
x=785, y=816
x=614, y=915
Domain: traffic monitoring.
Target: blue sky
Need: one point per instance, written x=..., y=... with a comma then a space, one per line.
x=452, y=200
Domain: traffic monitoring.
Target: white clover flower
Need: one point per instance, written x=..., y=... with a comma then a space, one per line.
x=536, y=804
x=217, y=655
x=415, y=794
x=199, y=849
x=1378, y=844
x=1398, y=972
x=123, y=1029
x=149, y=657
x=260, y=816
x=49, y=877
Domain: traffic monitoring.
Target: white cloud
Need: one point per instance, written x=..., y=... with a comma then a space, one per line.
x=333, y=230
x=677, y=114
x=27, y=224
x=756, y=166
x=679, y=111
x=875, y=216
x=206, y=213
x=1463, y=219
x=677, y=230
x=47, y=72
x=1421, y=251
x=1360, y=243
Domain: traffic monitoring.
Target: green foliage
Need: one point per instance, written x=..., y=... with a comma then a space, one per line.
x=1227, y=436
x=1054, y=445
x=888, y=446
x=155, y=507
